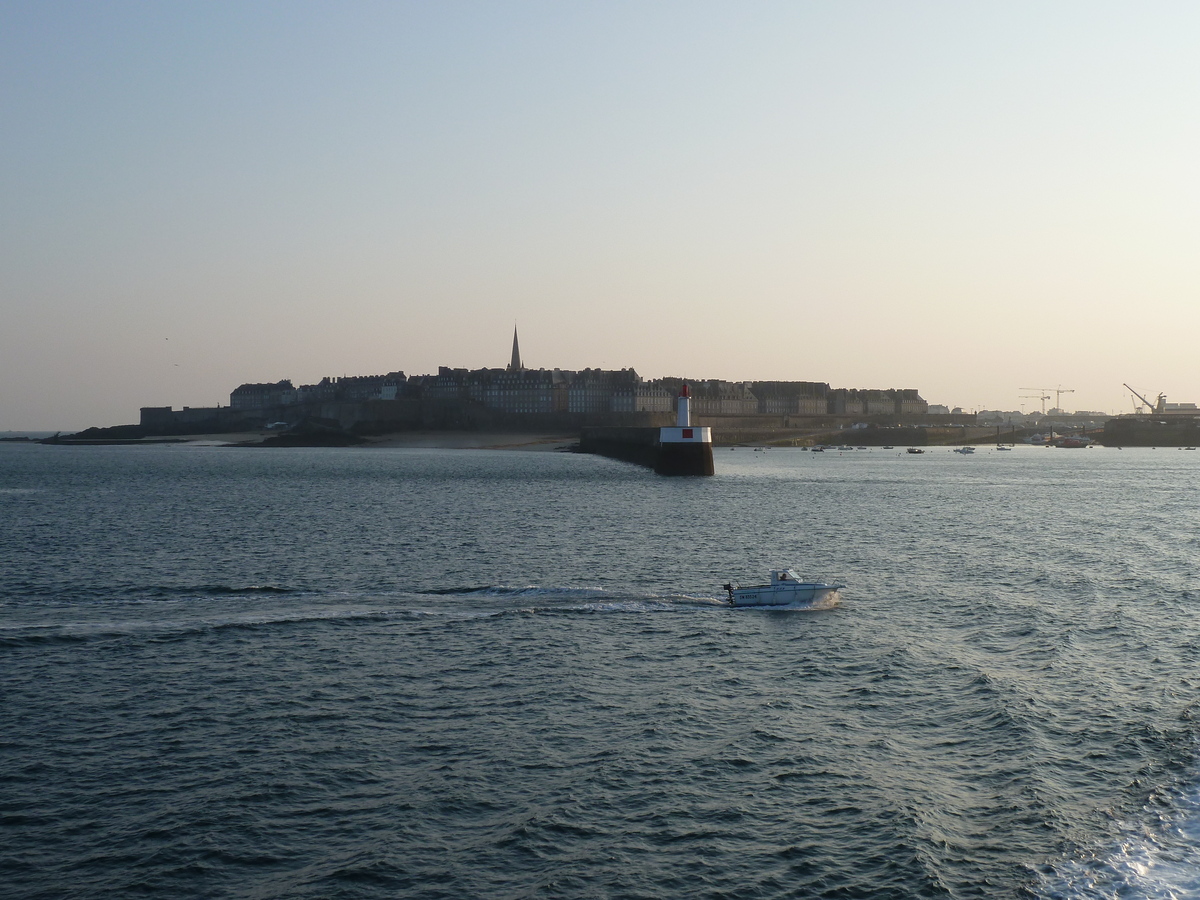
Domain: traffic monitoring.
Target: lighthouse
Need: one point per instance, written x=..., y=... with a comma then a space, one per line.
x=684, y=448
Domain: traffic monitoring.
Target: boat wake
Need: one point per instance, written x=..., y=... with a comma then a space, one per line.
x=503, y=592
x=169, y=627
x=212, y=608
x=828, y=602
x=537, y=599
x=172, y=621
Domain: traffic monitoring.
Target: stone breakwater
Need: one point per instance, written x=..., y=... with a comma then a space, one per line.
x=1169, y=431
x=644, y=447
x=633, y=445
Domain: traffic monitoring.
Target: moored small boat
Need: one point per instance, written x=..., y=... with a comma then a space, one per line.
x=786, y=589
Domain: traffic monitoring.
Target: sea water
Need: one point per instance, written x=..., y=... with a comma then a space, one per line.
x=372, y=673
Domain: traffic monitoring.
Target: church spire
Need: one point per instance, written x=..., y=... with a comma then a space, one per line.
x=515, y=365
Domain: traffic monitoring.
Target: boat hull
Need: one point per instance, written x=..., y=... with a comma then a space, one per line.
x=802, y=594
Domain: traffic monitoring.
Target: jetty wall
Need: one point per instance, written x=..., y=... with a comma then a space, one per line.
x=385, y=417
x=643, y=447
x=632, y=444
x=1137, y=431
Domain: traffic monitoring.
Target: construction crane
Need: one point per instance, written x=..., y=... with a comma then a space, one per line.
x=1153, y=407
x=1042, y=397
x=1058, y=392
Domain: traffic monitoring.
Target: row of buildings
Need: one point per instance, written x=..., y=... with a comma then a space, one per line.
x=516, y=389
x=477, y=398
x=590, y=391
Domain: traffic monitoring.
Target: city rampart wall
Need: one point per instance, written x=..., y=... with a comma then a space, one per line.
x=386, y=416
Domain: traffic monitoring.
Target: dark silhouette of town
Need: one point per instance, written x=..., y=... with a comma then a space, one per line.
x=517, y=397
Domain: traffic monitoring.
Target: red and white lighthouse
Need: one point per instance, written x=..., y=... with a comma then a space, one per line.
x=684, y=449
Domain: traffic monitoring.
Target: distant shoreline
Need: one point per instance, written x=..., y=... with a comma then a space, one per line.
x=431, y=440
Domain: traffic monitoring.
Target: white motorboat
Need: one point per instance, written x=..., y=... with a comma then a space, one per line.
x=964, y=450
x=786, y=589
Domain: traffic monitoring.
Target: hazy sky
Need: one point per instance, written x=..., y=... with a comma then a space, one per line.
x=965, y=198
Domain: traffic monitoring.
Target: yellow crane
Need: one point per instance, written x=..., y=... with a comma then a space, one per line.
x=1058, y=392
x=1042, y=397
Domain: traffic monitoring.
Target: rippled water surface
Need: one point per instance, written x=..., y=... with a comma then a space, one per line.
x=415, y=673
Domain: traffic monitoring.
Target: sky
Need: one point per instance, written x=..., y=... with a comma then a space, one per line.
x=976, y=200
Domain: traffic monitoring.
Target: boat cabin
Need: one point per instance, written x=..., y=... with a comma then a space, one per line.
x=784, y=576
